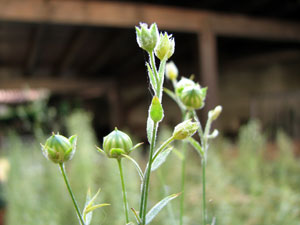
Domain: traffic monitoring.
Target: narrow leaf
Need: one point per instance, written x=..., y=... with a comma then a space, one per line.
x=158, y=207
x=87, y=216
x=92, y=208
x=160, y=159
x=138, y=168
x=196, y=145
x=151, y=77
x=161, y=74
x=150, y=125
x=135, y=213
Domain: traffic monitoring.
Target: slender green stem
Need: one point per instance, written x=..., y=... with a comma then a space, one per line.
x=124, y=191
x=63, y=171
x=183, y=166
x=203, y=191
x=145, y=190
x=162, y=147
x=185, y=115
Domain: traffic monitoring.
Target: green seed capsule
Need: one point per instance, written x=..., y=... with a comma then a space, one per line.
x=192, y=97
x=117, y=143
x=184, y=82
x=59, y=149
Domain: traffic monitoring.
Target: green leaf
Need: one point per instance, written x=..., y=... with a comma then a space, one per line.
x=161, y=75
x=150, y=125
x=89, y=207
x=158, y=207
x=160, y=159
x=92, y=208
x=87, y=216
x=138, y=168
x=151, y=77
x=135, y=213
x=196, y=145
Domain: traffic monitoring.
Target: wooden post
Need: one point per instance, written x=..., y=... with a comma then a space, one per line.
x=209, y=67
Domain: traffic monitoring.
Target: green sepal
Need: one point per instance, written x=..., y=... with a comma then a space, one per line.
x=159, y=206
x=156, y=110
x=196, y=146
x=100, y=150
x=73, y=140
x=116, y=152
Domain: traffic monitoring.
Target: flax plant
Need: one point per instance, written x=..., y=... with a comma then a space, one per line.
x=118, y=145
x=190, y=96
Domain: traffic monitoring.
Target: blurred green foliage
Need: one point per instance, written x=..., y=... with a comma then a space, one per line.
x=248, y=182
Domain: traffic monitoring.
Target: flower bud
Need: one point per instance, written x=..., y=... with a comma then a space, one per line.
x=156, y=110
x=171, y=71
x=193, y=97
x=184, y=82
x=215, y=113
x=165, y=46
x=117, y=143
x=147, y=37
x=59, y=149
x=185, y=129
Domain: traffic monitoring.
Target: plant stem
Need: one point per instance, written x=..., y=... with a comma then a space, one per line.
x=183, y=166
x=203, y=191
x=145, y=189
x=185, y=115
x=63, y=171
x=124, y=191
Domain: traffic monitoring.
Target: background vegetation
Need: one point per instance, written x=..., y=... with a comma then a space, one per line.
x=248, y=182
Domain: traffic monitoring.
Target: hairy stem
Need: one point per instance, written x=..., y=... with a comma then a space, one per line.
x=183, y=166
x=185, y=116
x=203, y=192
x=145, y=189
x=123, y=191
x=63, y=171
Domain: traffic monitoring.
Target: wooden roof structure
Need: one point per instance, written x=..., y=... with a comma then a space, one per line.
x=86, y=46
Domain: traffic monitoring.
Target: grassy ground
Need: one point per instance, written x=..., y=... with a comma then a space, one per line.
x=246, y=184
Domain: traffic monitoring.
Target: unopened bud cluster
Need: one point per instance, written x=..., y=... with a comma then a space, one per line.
x=150, y=40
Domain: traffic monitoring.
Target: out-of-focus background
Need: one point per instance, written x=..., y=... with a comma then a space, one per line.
x=73, y=66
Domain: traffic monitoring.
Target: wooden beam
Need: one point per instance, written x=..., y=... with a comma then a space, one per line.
x=57, y=85
x=108, y=50
x=75, y=43
x=208, y=67
x=117, y=14
x=34, y=49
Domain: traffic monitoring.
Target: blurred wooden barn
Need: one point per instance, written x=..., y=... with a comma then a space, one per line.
x=247, y=53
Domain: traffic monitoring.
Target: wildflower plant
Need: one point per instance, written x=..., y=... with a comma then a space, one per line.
x=190, y=97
